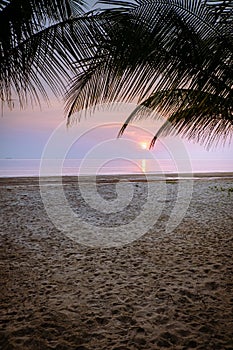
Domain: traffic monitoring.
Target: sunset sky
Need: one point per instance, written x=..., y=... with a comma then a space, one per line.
x=24, y=134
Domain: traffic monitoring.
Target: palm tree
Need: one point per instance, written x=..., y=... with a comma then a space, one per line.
x=174, y=56
x=38, y=41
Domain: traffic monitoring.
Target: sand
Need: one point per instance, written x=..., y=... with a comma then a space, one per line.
x=161, y=291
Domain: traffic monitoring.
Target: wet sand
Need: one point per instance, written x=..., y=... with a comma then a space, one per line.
x=162, y=291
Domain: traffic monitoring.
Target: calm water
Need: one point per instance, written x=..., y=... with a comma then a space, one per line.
x=31, y=167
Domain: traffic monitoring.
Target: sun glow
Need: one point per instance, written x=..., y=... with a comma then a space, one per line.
x=143, y=145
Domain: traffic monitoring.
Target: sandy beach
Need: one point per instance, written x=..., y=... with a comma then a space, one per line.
x=161, y=291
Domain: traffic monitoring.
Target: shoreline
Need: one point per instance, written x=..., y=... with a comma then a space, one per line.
x=116, y=177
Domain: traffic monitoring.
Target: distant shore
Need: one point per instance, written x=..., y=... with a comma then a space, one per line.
x=116, y=177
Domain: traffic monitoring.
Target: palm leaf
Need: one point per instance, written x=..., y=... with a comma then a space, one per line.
x=144, y=47
x=32, y=54
x=200, y=116
x=137, y=48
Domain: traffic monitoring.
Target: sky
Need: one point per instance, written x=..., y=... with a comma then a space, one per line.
x=27, y=134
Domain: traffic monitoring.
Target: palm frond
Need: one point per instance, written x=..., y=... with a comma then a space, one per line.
x=208, y=120
x=223, y=10
x=203, y=117
x=153, y=46
x=31, y=51
x=155, y=51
